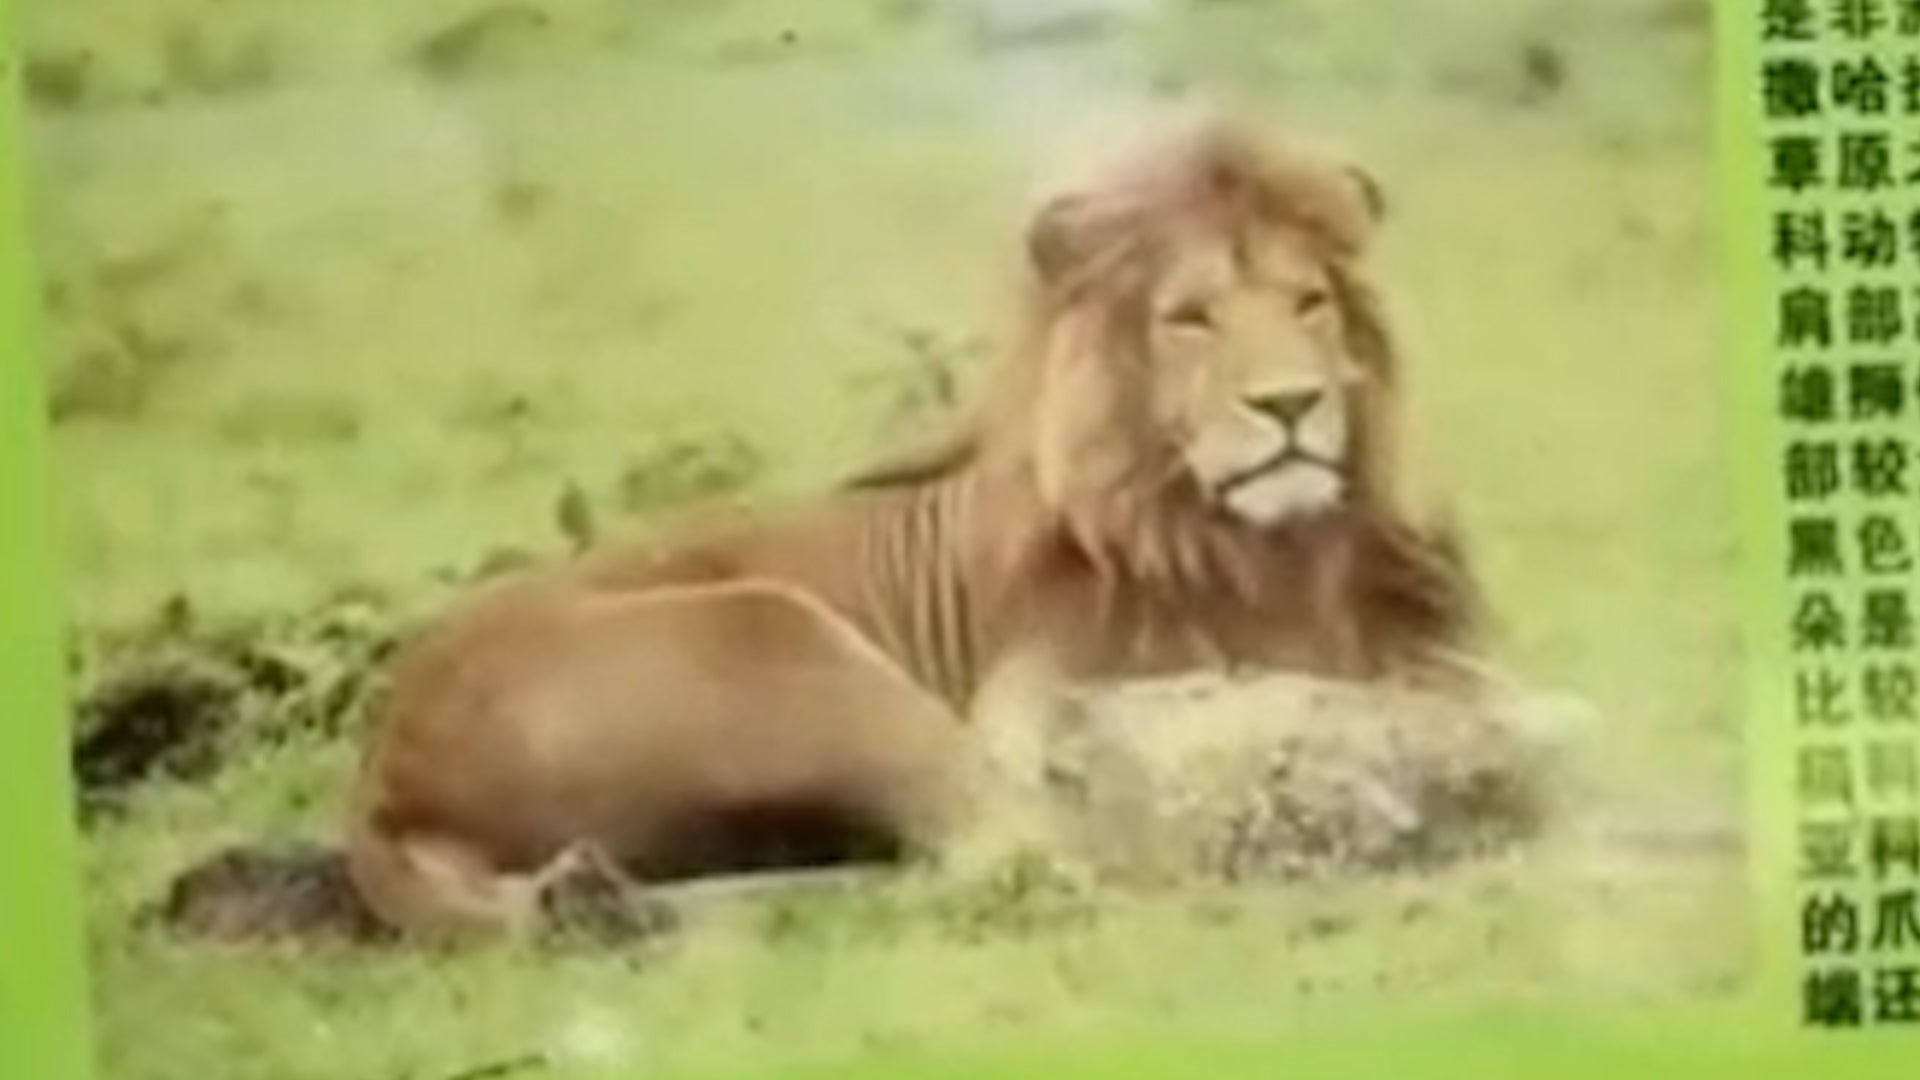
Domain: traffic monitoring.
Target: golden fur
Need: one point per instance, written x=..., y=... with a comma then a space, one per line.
x=1188, y=462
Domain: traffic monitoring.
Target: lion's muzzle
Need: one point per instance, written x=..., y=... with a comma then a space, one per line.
x=1282, y=457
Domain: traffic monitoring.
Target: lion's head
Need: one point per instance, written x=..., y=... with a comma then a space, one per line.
x=1205, y=402
x=1201, y=320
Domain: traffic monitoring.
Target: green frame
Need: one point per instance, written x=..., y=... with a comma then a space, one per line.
x=44, y=1033
x=43, y=1028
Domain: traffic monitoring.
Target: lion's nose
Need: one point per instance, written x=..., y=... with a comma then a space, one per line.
x=1287, y=407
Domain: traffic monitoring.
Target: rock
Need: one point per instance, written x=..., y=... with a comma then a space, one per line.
x=1284, y=776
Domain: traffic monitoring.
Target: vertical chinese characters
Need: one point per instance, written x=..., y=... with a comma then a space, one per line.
x=1840, y=97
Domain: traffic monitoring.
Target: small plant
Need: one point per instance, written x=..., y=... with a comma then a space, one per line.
x=61, y=80
x=199, y=65
x=683, y=471
x=925, y=385
x=472, y=44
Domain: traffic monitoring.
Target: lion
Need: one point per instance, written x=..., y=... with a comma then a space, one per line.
x=1188, y=461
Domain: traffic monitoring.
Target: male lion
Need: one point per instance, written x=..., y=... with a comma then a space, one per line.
x=1188, y=464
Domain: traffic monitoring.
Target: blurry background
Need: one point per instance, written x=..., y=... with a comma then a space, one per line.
x=348, y=299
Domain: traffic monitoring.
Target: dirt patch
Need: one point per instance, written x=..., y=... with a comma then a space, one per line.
x=291, y=892
x=155, y=715
x=175, y=699
x=1284, y=777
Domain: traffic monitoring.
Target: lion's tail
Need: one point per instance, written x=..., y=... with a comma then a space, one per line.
x=254, y=893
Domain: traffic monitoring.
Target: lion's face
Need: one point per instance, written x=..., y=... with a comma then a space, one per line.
x=1207, y=323
x=1251, y=375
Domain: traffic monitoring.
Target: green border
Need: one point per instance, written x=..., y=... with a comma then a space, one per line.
x=1764, y=603
x=43, y=1029
x=44, y=1034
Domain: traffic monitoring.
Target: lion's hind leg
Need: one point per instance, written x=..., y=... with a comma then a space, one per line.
x=659, y=735
x=813, y=746
x=440, y=888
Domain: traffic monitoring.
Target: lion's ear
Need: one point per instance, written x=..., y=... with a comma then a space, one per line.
x=1373, y=196
x=1061, y=237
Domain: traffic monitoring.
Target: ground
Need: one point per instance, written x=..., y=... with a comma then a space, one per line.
x=346, y=301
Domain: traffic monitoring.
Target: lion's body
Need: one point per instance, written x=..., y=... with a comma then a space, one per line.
x=798, y=687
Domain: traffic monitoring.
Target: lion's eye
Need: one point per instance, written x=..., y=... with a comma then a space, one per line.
x=1314, y=301
x=1191, y=315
